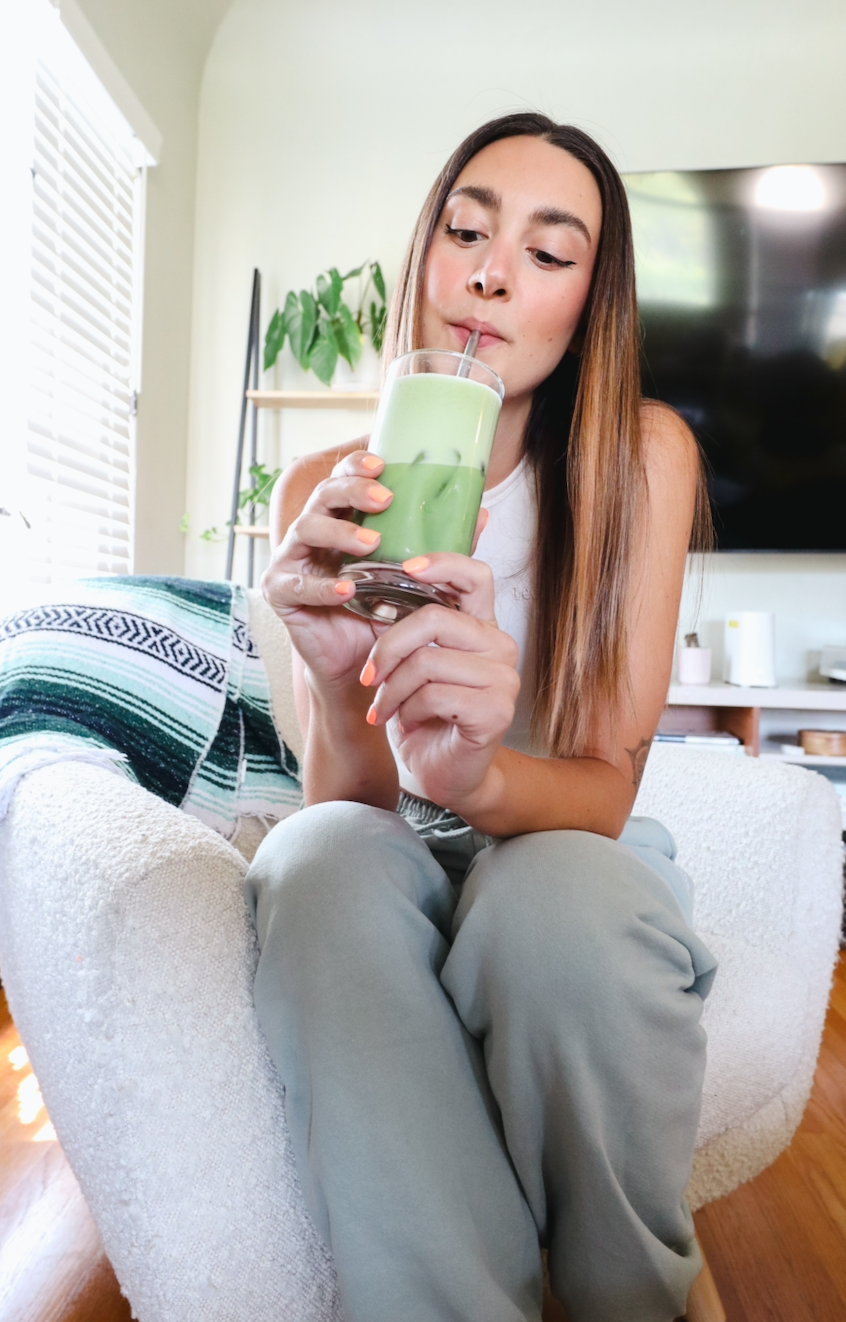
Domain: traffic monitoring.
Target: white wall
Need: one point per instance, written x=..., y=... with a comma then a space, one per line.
x=323, y=124
x=160, y=48
x=807, y=593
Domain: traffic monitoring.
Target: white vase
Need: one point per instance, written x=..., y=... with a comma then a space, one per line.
x=694, y=665
x=366, y=374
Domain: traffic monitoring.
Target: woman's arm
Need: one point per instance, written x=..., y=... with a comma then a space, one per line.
x=516, y=793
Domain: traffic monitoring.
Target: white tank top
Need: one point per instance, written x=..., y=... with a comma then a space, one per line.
x=506, y=545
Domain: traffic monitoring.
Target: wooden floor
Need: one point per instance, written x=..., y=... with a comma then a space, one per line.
x=776, y=1247
x=52, y=1265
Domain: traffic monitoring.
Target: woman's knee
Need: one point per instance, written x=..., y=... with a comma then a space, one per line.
x=568, y=908
x=555, y=885
x=333, y=864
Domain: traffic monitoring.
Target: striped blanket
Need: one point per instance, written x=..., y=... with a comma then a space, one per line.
x=157, y=677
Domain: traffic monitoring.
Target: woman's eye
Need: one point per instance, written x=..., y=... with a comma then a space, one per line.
x=547, y=259
x=463, y=236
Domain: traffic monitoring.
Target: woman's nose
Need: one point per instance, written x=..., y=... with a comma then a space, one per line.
x=483, y=284
x=490, y=280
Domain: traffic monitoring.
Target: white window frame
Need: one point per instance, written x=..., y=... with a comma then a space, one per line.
x=28, y=28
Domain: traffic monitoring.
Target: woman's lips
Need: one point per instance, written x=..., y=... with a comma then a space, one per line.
x=489, y=334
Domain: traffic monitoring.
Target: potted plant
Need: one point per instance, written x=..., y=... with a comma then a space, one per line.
x=321, y=326
x=259, y=494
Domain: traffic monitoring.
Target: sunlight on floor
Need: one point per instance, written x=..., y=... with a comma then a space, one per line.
x=18, y=1058
x=30, y=1101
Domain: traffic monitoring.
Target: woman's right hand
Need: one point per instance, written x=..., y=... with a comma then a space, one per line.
x=301, y=582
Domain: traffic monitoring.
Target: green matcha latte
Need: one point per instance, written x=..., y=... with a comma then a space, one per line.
x=435, y=434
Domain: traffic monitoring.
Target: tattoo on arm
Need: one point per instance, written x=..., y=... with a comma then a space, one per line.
x=638, y=756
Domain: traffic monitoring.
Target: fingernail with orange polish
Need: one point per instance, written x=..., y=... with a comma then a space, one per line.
x=371, y=461
x=368, y=536
x=379, y=494
x=343, y=588
x=372, y=714
x=416, y=564
x=368, y=674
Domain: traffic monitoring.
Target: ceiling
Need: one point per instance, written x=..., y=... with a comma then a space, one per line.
x=157, y=42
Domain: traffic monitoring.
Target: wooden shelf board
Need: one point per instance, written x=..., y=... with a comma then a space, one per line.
x=806, y=759
x=244, y=530
x=799, y=696
x=314, y=399
x=706, y=717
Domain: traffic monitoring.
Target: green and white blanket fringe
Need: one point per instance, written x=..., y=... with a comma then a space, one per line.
x=156, y=677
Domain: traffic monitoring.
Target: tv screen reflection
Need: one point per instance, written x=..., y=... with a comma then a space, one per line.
x=742, y=298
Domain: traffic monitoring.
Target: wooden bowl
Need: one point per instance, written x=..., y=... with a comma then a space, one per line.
x=824, y=743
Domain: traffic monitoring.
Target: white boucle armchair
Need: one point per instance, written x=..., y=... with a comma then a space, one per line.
x=128, y=962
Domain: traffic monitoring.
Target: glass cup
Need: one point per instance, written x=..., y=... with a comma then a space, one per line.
x=434, y=429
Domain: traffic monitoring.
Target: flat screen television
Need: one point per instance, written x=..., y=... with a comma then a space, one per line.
x=742, y=298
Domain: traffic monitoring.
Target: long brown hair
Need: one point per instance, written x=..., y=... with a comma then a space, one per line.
x=583, y=440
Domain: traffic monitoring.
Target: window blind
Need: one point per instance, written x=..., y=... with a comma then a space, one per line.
x=84, y=287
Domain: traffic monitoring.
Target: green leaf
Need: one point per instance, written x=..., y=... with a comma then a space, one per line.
x=376, y=326
x=311, y=316
x=183, y=523
x=294, y=320
x=324, y=292
x=329, y=291
x=302, y=322
x=291, y=305
x=265, y=482
x=213, y=534
x=337, y=289
x=351, y=275
x=275, y=338
x=378, y=279
x=348, y=335
x=324, y=355
x=260, y=493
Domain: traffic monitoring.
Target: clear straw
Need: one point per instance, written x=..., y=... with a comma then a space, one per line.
x=469, y=352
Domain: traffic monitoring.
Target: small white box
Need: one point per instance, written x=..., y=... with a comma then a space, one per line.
x=750, y=649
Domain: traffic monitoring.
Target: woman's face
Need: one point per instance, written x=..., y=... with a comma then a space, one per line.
x=512, y=256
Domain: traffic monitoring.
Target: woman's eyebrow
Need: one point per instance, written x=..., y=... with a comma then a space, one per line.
x=486, y=196
x=554, y=216
x=542, y=216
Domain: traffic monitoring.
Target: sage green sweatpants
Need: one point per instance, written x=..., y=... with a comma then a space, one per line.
x=472, y=1069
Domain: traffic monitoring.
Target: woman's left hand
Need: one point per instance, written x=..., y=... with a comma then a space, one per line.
x=455, y=700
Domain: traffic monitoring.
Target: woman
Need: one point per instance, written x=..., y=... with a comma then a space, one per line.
x=485, y=1006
